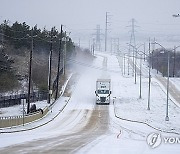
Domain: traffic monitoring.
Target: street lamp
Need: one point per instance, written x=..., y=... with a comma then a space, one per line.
x=125, y=62
x=124, y=58
x=141, y=54
x=140, y=77
x=174, y=64
x=134, y=68
x=167, y=117
x=167, y=101
x=149, y=88
x=176, y=15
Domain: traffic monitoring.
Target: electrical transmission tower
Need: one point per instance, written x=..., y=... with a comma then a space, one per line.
x=106, y=29
x=132, y=44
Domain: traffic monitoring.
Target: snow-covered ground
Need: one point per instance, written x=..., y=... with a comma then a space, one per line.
x=128, y=104
x=132, y=135
x=176, y=82
x=81, y=128
x=17, y=110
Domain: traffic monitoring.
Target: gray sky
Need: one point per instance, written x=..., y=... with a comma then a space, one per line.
x=81, y=16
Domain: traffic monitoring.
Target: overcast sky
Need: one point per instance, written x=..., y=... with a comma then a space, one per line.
x=81, y=16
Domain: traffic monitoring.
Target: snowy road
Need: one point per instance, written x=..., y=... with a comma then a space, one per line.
x=83, y=126
x=174, y=92
x=97, y=125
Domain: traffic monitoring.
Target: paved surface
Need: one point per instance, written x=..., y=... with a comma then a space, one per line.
x=173, y=91
x=72, y=140
x=70, y=143
x=89, y=125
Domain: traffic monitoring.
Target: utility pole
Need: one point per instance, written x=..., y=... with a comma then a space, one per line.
x=30, y=72
x=49, y=73
x=59, y=60
x=106, y=29
x=64, y=54
x=153, y=49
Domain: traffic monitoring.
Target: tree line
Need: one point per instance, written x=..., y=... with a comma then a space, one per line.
x=19, y=35
x=158, y=60
x=16, y=40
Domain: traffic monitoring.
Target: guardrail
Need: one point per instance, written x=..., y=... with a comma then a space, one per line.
x=11, y=121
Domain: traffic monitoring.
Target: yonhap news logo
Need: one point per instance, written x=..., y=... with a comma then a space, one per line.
x=155, y=139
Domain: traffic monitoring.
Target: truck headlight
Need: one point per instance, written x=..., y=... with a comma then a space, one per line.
x=98, y=98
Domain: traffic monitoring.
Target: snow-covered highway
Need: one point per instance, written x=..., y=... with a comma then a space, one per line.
x=84, y=127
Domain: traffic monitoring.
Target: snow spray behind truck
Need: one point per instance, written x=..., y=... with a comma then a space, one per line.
x=103, y=87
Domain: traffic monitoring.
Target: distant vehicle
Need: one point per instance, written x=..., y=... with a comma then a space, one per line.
x=103, y=91
x=176, y=15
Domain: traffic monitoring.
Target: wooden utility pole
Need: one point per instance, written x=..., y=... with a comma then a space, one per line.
x=49, y=73
x=30, y=72
x=59, y=60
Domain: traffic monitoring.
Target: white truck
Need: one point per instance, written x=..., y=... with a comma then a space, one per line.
x=103, y=87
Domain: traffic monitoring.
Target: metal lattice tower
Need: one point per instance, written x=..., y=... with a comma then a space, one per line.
x=132, y=43
x=132, y=38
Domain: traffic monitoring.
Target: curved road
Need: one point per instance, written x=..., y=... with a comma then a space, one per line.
x=84, y=127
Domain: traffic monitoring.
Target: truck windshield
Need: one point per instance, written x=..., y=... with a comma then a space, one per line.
x=103, y=91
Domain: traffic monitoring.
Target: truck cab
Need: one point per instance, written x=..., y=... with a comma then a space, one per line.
x=103, y=91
